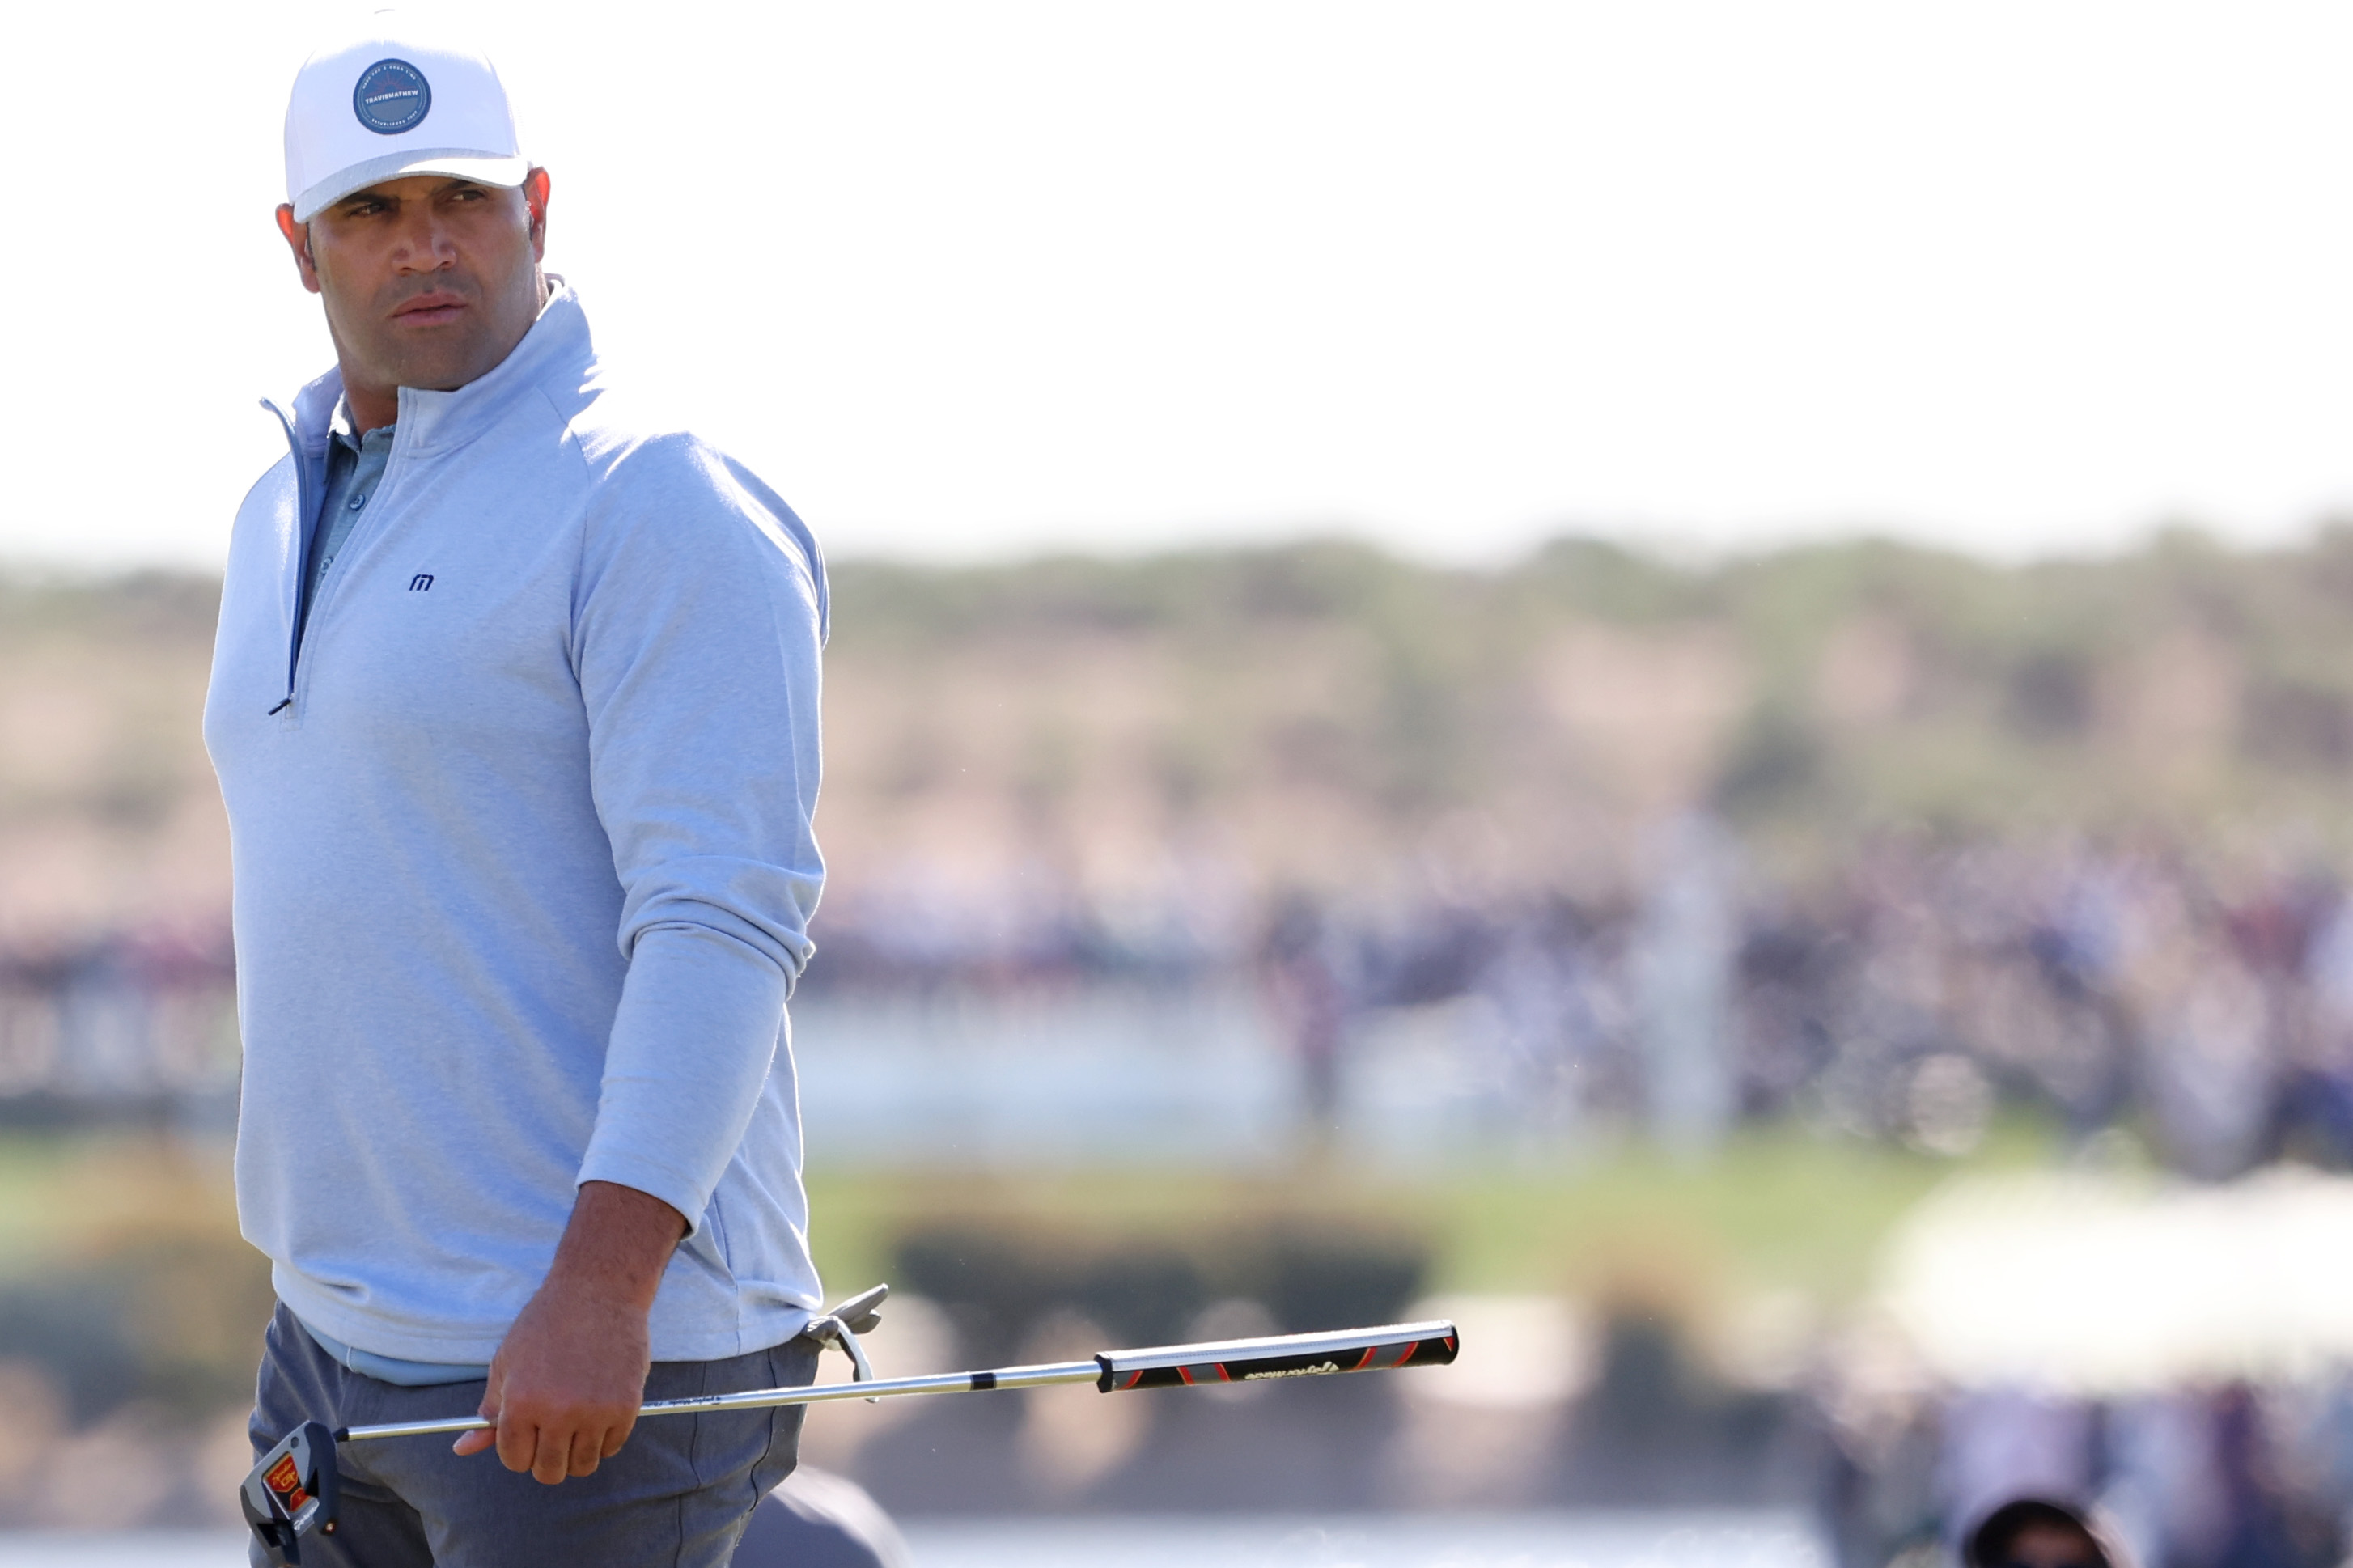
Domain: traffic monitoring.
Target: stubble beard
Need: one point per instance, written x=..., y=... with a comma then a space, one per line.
x=440, y=359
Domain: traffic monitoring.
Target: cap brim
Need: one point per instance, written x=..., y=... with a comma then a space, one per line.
x=457, y=162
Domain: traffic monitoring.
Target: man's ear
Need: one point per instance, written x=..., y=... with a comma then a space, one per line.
x=297, y=239
x=535, y=186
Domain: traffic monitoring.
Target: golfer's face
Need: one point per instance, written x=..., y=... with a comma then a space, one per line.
x=428, y=281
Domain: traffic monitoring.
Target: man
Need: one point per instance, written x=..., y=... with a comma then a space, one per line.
x=2041, y=1532
x=514, y=707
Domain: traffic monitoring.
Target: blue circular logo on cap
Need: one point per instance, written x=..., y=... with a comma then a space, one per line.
x=391, y=98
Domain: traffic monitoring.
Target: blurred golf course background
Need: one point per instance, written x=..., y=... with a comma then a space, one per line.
x=1637, y=958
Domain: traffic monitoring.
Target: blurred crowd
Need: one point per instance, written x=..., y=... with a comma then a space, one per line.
x=2233, y=1476
x=138, y=1021
x=1907, y=993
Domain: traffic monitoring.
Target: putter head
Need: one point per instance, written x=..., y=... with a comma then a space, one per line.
x=291, y=1492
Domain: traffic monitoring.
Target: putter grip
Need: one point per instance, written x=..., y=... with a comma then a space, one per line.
x=1432, y=1343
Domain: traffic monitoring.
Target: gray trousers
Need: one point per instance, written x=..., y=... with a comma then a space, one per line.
x=677, y=1497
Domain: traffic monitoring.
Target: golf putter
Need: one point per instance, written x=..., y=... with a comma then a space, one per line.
x=291, y=1492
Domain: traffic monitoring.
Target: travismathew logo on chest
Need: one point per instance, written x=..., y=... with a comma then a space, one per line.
x=421, y=583
x=392, y=96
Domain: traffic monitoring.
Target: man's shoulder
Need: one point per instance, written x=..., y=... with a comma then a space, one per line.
x=269, y=507
x=279, y=488
x=628, y=439
x=648, y=469
x=275, y=485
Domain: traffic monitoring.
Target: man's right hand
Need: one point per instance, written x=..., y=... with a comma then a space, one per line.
x=566, y=1382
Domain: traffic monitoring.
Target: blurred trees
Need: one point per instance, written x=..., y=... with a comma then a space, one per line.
x=1322, y=716
x=1338, y=713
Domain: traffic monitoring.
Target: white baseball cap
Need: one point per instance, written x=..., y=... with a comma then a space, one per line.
x=397, y=99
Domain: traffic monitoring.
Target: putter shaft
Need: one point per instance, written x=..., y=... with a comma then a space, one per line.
x=769, y=1398
x=1161, y=1366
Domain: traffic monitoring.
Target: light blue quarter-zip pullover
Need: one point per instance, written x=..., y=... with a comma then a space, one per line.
x=523, y=860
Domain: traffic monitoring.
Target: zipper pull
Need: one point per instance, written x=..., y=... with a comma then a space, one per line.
x=283, y=703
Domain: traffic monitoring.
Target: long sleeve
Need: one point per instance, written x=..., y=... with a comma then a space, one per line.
x=700, y=622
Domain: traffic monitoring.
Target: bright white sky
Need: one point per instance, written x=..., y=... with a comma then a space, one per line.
x=972, y=280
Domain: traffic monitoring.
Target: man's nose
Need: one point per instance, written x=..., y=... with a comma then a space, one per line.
x=426, y=245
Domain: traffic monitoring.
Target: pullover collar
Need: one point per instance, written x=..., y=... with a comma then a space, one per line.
x=557, y=345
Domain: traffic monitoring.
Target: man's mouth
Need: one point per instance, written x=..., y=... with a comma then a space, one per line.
x=429, y=309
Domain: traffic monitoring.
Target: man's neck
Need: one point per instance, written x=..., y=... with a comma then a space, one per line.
x=371, y=408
